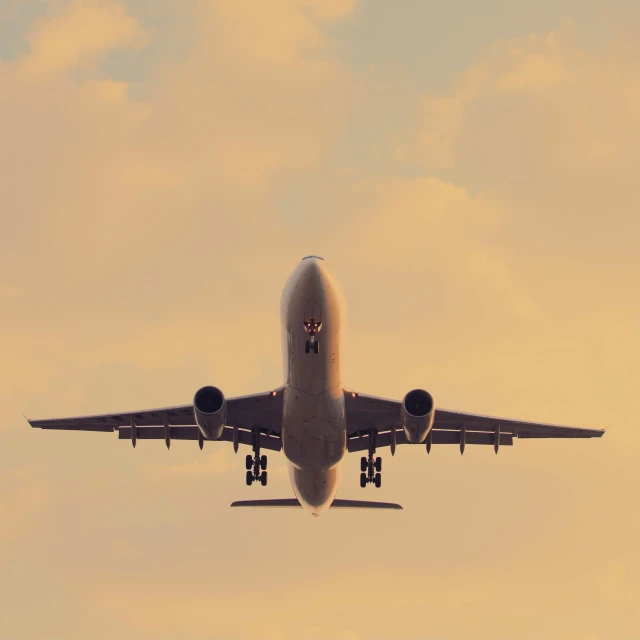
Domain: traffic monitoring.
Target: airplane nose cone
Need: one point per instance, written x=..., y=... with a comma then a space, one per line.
x=313, y=270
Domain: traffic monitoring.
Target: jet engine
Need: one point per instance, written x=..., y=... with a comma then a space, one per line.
x=418, y=412
x=210, y=411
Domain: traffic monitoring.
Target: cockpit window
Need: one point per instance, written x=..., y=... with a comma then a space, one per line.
x=316, y=257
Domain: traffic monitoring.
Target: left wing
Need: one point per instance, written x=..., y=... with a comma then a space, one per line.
x=369, y=416
x=259, y=414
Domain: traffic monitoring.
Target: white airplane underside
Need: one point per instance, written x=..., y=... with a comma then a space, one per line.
x=312, y=417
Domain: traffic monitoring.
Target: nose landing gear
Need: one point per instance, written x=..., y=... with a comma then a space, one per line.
x=370, y=468
x=312, y=345
x=256, y=464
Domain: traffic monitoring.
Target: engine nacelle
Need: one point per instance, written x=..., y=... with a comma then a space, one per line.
x=418, y=412
x=210, y=411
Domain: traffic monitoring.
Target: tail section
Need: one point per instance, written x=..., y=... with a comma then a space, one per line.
x=336, y=504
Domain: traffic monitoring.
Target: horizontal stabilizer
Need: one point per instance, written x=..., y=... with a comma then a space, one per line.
x=336, y=504
x=363, y=504
x=281, y=502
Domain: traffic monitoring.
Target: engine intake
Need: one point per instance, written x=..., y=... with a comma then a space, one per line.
x=210, y=411
x=418, y=412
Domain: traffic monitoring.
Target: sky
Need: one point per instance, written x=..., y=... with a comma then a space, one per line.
x=469, y=172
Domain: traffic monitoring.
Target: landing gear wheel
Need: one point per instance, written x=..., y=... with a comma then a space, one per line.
x=378, y=480
x=307, y=346
x=249, y=462
x=316, y=347
x=263, y=462
x=363, y=464
x=378, y=464
x=363, y=480
x=263, y=479
x=249, y=478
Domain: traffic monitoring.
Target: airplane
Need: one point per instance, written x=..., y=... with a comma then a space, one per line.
x=312, y=417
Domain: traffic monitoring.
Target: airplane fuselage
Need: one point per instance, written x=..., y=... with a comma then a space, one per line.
x=314, y=427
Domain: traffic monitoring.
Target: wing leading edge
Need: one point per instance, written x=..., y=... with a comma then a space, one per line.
x=372, y=417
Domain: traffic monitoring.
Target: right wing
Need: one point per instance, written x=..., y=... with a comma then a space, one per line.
x=259, y=413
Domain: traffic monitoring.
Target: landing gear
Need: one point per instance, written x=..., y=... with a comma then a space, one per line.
x=256, y=463
x=312, y=345
x=371, y=469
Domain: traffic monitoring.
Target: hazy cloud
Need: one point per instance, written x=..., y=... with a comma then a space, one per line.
x=487, y=250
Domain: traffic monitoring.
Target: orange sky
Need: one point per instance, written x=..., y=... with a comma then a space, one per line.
x=164, y=165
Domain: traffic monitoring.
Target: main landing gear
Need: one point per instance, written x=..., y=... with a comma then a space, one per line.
x=256, y=465
x=371, y=469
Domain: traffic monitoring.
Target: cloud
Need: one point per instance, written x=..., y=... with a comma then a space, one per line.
x=78, y=35
x=23, y=494
x=547, y=128
x=144, y=248
x=98, y=182
x=218, y=462
x=331, y=9
x=619, y=588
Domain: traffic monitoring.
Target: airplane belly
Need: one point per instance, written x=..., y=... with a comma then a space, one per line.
x=314, y=429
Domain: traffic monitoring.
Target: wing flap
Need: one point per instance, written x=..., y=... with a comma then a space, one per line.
x=361, y=443
x=267, y=441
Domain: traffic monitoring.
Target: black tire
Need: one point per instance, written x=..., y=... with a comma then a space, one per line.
x=363, y=464
x=306, y=346
x=263, y=462
x=363, y=480
x=263, y=478
x=316, y=347
x=249, y=478
x=378, y=464
x=378, y=480
x=248, y=462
